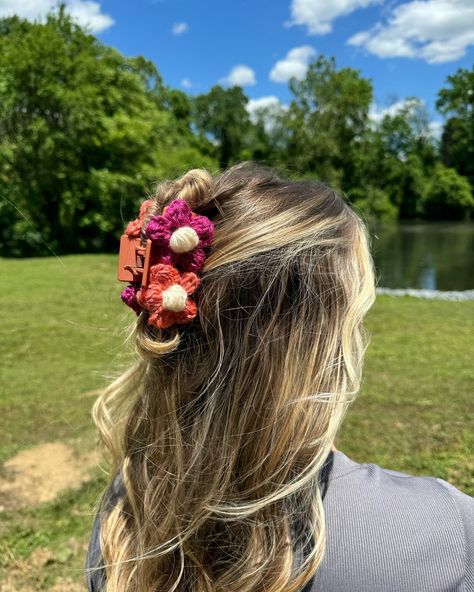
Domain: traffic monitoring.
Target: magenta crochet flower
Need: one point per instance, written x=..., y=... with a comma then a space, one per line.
x=183, y=235
x=129, y=296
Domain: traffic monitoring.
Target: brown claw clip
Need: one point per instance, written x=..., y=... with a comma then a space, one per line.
x=134, y=260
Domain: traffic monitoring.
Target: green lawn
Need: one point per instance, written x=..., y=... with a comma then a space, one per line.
x=62, y=332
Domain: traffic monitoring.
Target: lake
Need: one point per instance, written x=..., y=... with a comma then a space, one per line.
x=432, y=256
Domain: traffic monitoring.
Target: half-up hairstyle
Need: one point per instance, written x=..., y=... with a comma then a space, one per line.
x=221, y=427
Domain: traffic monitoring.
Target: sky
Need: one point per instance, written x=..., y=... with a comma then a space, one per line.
x=407, y=48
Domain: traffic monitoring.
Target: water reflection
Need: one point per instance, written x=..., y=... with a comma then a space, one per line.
x=436, y=256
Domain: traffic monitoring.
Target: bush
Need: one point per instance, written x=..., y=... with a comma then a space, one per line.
x=374, y=203
x=449, y=196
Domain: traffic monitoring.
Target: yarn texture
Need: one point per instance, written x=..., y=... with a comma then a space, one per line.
x=129, y=296
x=179, y=240
x=184, y=239
x=167, y=296
x=172, y=230
x=174, y=298
x=135, y=226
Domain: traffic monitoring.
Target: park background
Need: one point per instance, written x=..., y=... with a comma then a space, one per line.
x=85, y=134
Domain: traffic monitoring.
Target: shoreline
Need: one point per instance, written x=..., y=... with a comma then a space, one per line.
x=453, y=295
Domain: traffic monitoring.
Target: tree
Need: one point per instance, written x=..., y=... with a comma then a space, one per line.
x=221, y=118
x=374, y=204
x=326, y=120
x=457, y=103
x=83, y=132
x=398, y=155
x=449, y=196
x=267, y=137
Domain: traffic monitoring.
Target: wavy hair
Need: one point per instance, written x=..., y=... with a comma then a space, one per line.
x=221, y=427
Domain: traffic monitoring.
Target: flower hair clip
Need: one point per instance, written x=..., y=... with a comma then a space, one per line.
x=162, y=272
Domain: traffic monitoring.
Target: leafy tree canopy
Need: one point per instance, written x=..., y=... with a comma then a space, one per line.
x=221, y=117
x=83, y=133
x=457, y=103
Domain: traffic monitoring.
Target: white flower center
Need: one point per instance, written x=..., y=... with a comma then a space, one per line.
x=174, y=298
x=184, y=239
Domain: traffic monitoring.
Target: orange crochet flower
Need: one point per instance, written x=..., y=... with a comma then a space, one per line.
x=134, y=227
x=167, y=296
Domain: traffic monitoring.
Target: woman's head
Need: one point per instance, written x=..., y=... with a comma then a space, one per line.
x=222, y=425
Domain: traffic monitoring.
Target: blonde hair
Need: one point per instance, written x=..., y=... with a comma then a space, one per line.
x=221, y=427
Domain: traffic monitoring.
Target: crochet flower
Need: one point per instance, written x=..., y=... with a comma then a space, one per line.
x=183, y=234
x=129, y=296
x=134, y=227
x=167, y=296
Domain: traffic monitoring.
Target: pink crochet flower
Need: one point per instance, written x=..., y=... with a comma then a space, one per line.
x=167, y=296
x=134, y=227
x=183, y=235
x=129, y=296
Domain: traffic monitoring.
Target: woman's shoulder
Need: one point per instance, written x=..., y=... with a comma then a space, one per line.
x=390, y=495
x=385, y=526
x=397, y=487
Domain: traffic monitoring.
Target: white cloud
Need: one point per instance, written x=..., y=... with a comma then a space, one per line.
x=266, y=109
x=294, y=64
x=186, y=83
x=318, y=15
x=377, y=112
x=240, y=76
x=254, y=106
x=86, y=13
x=179, y=28
x=436, y=129
x=437, y=31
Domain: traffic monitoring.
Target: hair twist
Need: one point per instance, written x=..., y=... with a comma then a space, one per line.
x=196, y=187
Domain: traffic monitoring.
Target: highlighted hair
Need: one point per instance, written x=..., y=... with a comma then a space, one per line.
x=221, y=427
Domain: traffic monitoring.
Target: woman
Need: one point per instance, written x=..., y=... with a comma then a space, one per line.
x=250, y=347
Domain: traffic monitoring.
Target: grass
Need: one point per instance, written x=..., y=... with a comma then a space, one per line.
x=62, y=337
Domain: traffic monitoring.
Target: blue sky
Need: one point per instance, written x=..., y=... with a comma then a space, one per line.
x=407, y=48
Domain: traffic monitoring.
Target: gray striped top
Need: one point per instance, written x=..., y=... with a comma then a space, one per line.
x=386, y=532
